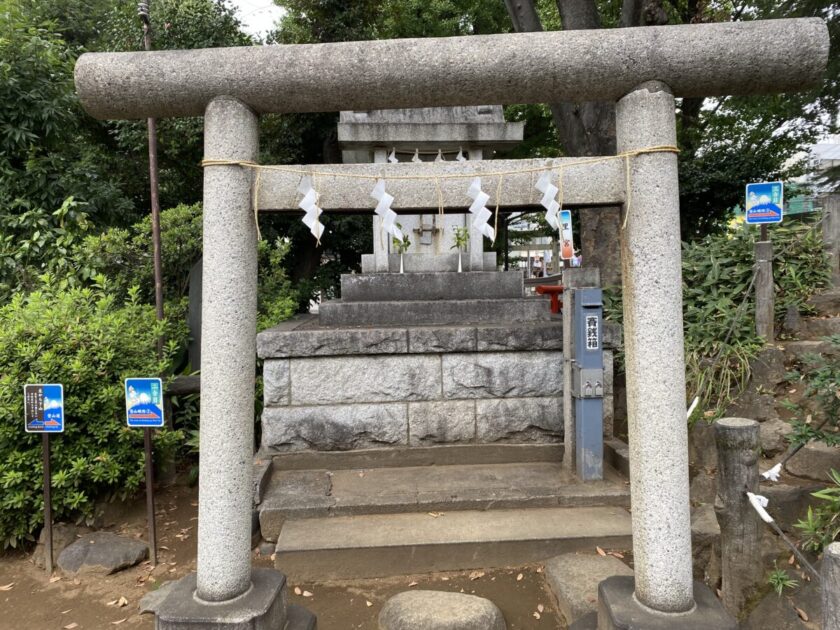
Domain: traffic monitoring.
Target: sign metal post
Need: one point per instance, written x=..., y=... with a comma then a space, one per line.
x=144, y=409
x=43, y=410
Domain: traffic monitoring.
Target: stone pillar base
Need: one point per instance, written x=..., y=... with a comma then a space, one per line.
x=619, y=610
x=263, y=607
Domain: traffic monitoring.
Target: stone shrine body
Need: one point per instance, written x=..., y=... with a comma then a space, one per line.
x=470, y=358
x=427, y=134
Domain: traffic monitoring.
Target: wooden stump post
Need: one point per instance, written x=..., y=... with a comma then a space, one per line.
x=831, y=587
x=764, y=290
x=737, y=442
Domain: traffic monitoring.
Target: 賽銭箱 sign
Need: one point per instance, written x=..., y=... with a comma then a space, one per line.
x=144, y=402
x=43, y=408
x=765, y=202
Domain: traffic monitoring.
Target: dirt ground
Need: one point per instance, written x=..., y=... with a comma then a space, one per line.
x=36, y=602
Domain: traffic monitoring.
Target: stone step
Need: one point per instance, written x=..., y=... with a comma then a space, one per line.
x=826, y=303
x=377, y=545
x=440, y=312
x=800, y=349
x=469, y=285
x=817, y=327
x=296, y=494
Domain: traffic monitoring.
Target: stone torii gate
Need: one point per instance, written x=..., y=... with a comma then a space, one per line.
x=642, y=69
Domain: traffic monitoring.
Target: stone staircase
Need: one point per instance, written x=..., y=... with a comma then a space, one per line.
x=432, y=298
x=384, y=519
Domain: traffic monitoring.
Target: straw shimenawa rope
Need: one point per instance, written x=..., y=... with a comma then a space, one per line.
x=624, y=155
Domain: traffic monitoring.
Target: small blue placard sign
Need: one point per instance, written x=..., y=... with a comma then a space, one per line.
x=765, y=202
x=43, y=408
x=144, y=402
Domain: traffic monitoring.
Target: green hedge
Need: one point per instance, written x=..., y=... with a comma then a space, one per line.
x=89, y=341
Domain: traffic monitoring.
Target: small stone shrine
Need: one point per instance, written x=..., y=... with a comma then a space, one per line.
x=427, y=134
x=428, y=357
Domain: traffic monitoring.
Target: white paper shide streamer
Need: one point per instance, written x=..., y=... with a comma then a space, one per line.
x=383, y=209
x=549, y=201
x=309, y=204
x=479, y=209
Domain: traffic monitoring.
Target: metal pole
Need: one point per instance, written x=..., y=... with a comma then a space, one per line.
x=150, y=495
x=143, y=11
x=48, y=545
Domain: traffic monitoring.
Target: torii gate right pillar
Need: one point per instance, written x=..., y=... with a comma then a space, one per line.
x=655, y=370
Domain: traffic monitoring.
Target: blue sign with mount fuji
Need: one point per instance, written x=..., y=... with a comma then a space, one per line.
x=144, y=402
x=765, y=202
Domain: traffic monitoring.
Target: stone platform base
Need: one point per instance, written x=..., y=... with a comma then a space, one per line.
x=619, y=610
x=263, y=607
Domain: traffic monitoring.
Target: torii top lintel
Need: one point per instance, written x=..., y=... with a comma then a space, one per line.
x=694, y=60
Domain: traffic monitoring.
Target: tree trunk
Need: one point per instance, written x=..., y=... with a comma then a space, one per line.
x=589, y=128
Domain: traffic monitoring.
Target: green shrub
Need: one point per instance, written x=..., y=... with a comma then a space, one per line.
x=719, y=324
x=821, y=376
x=125, y=257
x=821, y=526
x=89, y=341
x=34, y=241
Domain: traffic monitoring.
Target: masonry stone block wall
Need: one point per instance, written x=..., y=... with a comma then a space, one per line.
x=339, y=389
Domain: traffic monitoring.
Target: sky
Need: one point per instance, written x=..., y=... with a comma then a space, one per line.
x=257, y=16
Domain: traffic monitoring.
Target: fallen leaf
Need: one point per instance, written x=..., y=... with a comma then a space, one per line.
x=70, y=626
x=122, y=601
x=600, y=551
x=307, y=594
x=7, y=587
x=802, y=614
x=297, y=590
x=55, y=579
x=540, y=608
x=476, y=575
x=164, y=547
x=445, y=579
x=410, y=584
x=536, y=615
x=617, y=555
x=435, y=514
x=119, y=621
x=792, y=391
x=519, y=577
x=64, y=612
x=792, y=559
x=368, y=604
x=113, y=602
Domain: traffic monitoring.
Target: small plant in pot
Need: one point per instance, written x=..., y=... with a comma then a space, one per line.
x=401, y=246
x=462, y=237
